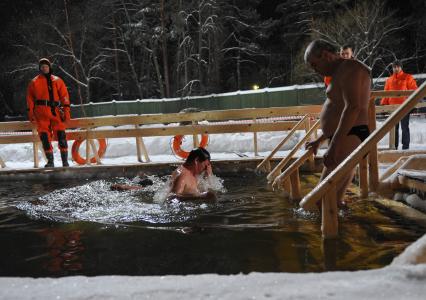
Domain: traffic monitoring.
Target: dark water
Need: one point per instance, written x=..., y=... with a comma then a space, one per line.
x=84, y=229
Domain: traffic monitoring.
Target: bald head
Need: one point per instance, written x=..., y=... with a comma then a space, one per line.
x=316, y=47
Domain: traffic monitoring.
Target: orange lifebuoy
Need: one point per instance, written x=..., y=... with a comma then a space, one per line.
x=80, y=160
x=177, y=143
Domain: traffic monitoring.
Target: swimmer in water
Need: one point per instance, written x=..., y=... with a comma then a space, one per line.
x=144, y=182
x=184, y=185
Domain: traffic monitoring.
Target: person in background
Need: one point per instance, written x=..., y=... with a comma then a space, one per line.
x=48, y=107
x=346, y=52
x=400, y=81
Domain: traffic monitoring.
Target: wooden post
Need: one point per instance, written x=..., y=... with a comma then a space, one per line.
x=2, y=164
x=268, y=166
x=308, y=125
x=195, y=141
x=87, y=147
x=372, y=156
x=392, y=138
x=287, y=185
x=138, y=146
x=95, y=152
x=35, y=149
x=256, y=153
x=329, y=226
x=363, y=178
x=296, y=192
x=144, y=150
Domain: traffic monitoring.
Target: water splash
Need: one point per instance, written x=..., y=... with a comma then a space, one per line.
x=96, y=202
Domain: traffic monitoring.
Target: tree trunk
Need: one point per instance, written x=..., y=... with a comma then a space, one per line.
x=164, y=48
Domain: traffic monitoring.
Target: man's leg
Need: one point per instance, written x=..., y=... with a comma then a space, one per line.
x=396, y=135
x=405, y=122
x=59, y=129
x=43, y=129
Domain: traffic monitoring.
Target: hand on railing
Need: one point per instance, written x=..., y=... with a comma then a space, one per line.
x=314, y=145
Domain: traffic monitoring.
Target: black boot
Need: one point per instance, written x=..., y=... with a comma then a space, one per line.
x=50, y=163
x=64, y=156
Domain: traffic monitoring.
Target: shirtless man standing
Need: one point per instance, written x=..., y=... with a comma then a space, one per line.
x=184, y=179
x=344, y=116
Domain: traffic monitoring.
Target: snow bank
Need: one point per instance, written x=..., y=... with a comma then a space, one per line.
x=394, y=282
x=414, y=254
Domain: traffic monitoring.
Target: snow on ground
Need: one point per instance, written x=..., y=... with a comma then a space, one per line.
x=401, y=280
x=221, y=146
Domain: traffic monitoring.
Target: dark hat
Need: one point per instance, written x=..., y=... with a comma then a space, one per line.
x=397, y=63
x=44, y=61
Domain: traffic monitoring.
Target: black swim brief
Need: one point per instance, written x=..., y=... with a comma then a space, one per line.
x=361, y=131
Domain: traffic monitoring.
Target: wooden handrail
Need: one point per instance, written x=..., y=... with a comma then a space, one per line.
x=159, y=131
x=292, y=168
x=217, y=115
x=354, y=158
x=271, y=176
x=283, y=141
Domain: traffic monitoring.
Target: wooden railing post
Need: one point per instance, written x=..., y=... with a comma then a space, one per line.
x=392, y=138
x=372, y=156
x=35, y=148
x=256, y=153
x=363, y=177
x=329, y=218
x=296, y=192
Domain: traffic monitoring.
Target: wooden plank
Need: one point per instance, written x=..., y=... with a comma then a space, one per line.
x=381, y=94
x=162, y=131
x=350, y=162
x=412, y=183
x=392, y=108
x=283, y=141
x=218, y=115
x=329, y=217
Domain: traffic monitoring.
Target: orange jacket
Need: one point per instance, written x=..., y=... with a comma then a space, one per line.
x=327, y=80
x=38, y=90
x=398, y=82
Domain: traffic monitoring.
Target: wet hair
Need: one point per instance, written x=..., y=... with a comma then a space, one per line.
x=397, y=63
x=146, y=182
x=200, y=153
x=317, y=46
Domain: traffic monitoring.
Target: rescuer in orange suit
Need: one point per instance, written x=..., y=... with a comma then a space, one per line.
x=49, y=109
x=400, y=81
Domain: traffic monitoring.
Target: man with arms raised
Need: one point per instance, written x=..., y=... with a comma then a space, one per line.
x=344, y=116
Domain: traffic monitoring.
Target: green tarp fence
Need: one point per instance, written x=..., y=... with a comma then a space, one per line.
x=270, y=97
